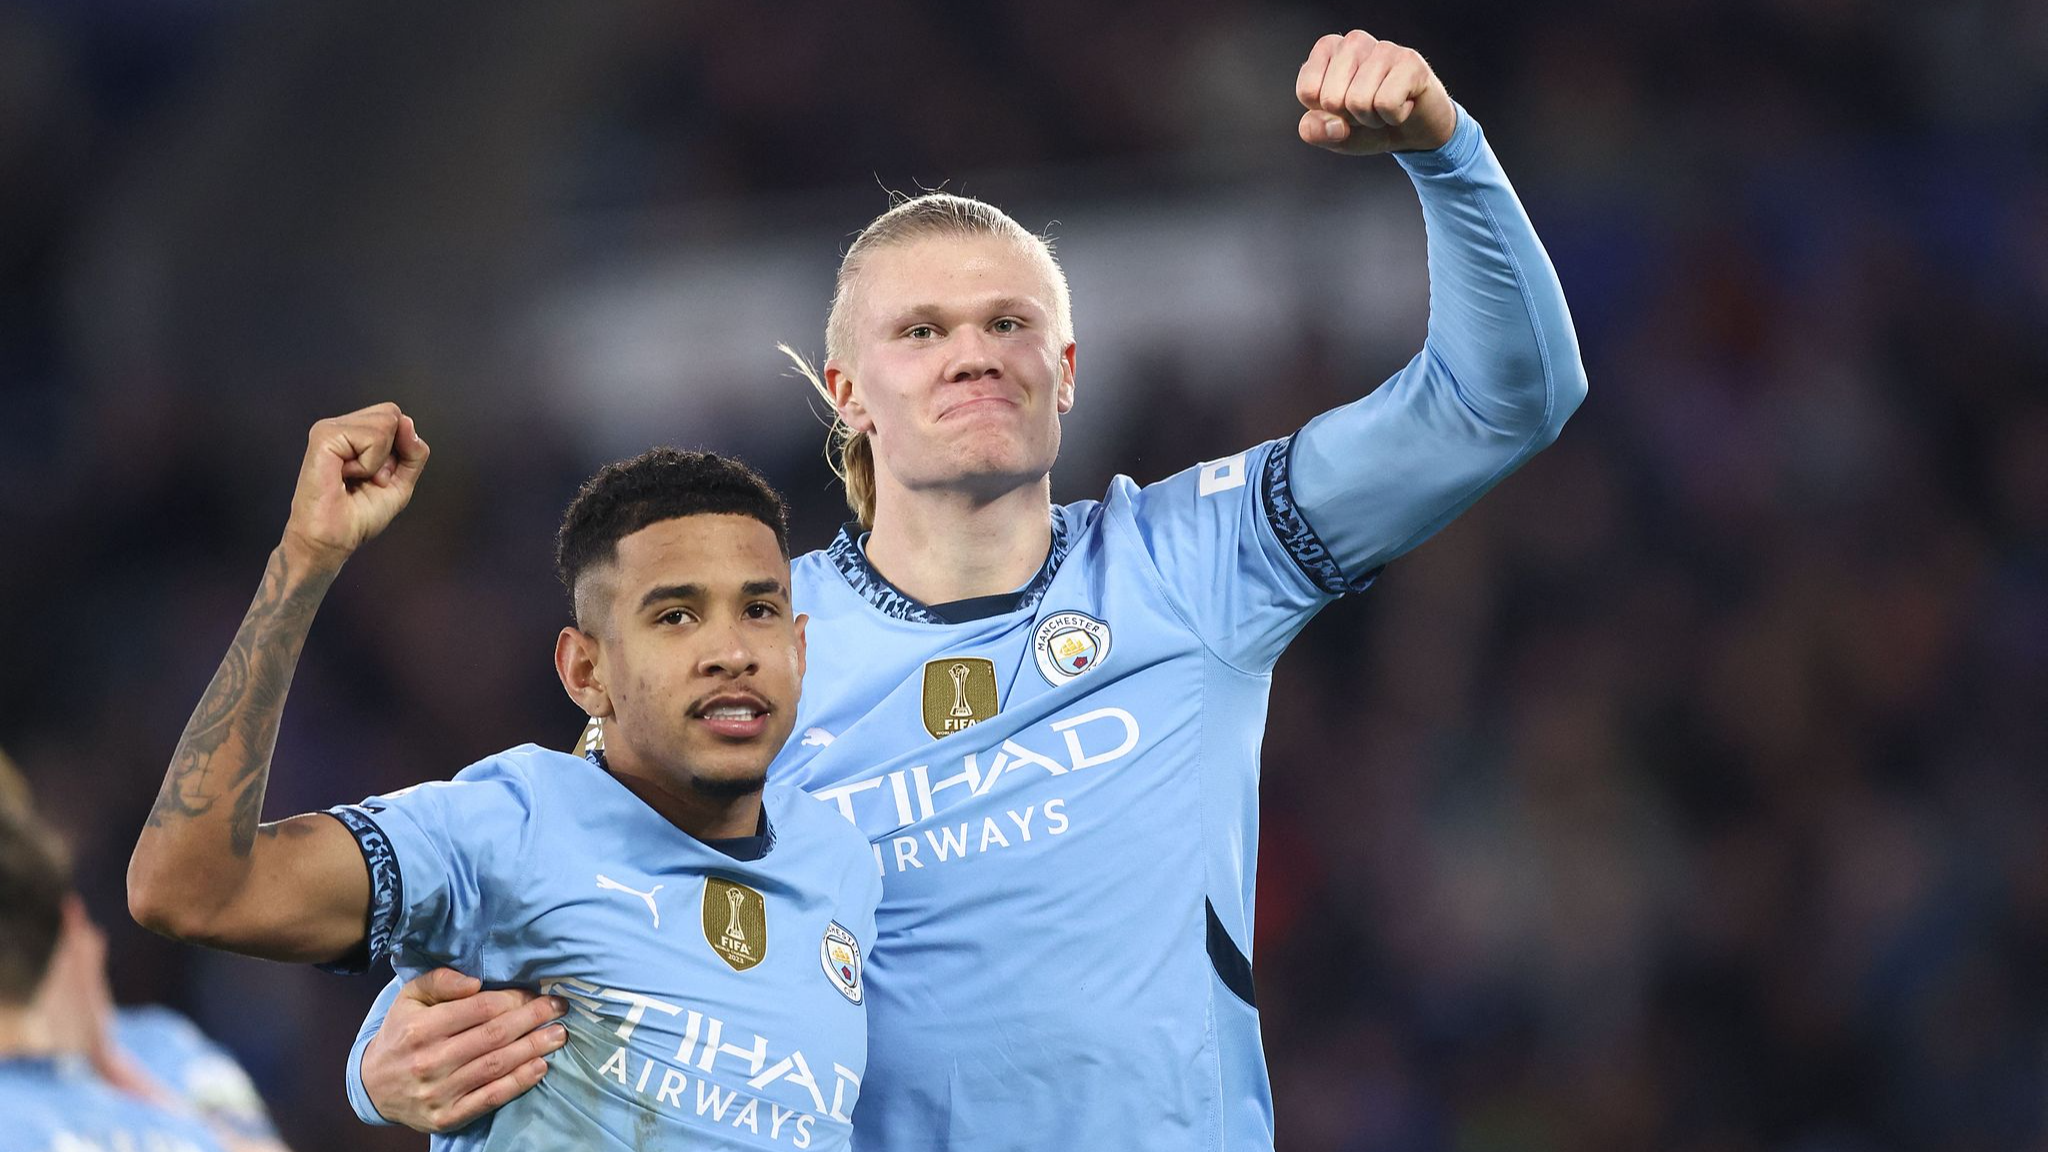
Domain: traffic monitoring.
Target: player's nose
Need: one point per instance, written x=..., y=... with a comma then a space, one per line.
x=728, y=651
x=972, y=357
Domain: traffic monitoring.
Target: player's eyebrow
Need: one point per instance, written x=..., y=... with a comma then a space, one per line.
x=998, y=306
x=671, y=592
x=694, y=591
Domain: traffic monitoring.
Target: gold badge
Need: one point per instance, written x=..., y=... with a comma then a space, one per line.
x=735, y=923
x=959, y=692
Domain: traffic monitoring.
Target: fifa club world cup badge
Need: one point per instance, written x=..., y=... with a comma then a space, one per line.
x=1068, y=644
x=839, y=952
x=735, y=923
x=959, y=692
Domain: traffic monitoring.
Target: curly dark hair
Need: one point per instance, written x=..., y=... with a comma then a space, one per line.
x=659, y=484
x=34, y=880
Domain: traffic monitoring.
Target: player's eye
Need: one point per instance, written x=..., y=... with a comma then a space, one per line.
x=1007, y=325
x=920, y=332
x=763, y=610
x=673, y=616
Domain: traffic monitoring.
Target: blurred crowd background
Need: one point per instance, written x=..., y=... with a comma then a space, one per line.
x=1687, y=794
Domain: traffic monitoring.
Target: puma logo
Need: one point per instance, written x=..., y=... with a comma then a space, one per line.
x=609, y=884
x=817, y=738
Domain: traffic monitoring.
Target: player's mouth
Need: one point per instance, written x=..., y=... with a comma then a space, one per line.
x=977, y=406
x=733, y=715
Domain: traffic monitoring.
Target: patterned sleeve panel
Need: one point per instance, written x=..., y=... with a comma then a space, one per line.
x=387, y=892
x=1296, y=535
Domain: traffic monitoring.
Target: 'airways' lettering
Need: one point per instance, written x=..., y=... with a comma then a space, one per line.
x=1088, y=740
x=957, y=841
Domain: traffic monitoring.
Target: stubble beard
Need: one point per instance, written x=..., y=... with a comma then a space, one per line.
x=728, y=787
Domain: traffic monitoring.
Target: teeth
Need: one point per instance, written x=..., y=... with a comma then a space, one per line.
x=730, y=712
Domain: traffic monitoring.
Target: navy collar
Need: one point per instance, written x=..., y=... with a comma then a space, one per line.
x=738, y=847
x=850, y=556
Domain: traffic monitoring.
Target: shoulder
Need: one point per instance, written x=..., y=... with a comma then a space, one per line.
x=41, y=1098
x=155, y=1021
x=498, y=792
x=525, y=769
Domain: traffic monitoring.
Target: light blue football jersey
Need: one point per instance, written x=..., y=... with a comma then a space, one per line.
x=200, y=1072
x=715, y=1003
x=51, y=1105
x=1061, y=798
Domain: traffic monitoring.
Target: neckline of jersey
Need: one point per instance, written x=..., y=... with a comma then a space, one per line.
x=848, y=553
x=745, y=849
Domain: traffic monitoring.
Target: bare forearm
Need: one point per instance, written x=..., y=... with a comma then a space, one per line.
x=194, y=853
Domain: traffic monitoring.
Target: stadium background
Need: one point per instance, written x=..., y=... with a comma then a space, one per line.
x=1686, y=794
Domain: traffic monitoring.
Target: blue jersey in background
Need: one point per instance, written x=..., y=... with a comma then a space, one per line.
x=201, y=1073
x=58, y=1105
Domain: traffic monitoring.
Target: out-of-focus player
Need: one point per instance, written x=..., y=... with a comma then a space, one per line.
x=1047, y=719
x=52, y=1099
x=148, y=1052
x=706, y=933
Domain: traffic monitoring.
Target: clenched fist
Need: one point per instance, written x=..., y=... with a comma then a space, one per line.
x=359, y=471
x=1366, y=96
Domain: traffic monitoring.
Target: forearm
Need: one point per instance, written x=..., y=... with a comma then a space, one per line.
x=1497, y=316
x=1497, y=376
x=194, y=857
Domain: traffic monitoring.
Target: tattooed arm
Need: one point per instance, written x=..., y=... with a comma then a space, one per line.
x=204, y=870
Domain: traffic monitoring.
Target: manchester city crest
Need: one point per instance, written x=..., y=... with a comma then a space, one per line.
x=839, y=952
x=1068, y=644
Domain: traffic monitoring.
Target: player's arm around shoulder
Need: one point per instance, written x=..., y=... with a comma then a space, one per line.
x=204, y=870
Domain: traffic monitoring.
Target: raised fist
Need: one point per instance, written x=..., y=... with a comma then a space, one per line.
x=359, y=472
x=1365, y=96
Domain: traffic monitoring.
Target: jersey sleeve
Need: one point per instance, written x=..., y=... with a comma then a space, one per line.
x=1498, y=374
x=1237, y=559
x=359, y=1096
x=438, y=854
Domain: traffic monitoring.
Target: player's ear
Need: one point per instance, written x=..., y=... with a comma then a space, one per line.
x=801, y=620
x=1065, y=397
x=840, y=385
x=576, y=662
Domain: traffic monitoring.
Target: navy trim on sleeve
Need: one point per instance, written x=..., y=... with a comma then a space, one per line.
x=1230, y=963
x=1309, y=553
x=387, y=893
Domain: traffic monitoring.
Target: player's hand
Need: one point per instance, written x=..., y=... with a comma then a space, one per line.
x=1364, y=96
x=449, y=1052
x=359, y=471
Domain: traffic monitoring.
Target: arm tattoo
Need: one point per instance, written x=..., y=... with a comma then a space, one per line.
x=226, y=747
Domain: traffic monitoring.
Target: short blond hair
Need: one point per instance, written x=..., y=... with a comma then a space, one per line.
x=933, y=214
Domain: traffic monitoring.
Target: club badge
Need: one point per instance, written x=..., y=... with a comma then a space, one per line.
x=735, y=923
x=959, y=692
x=839, y=952
x=1068, y=644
